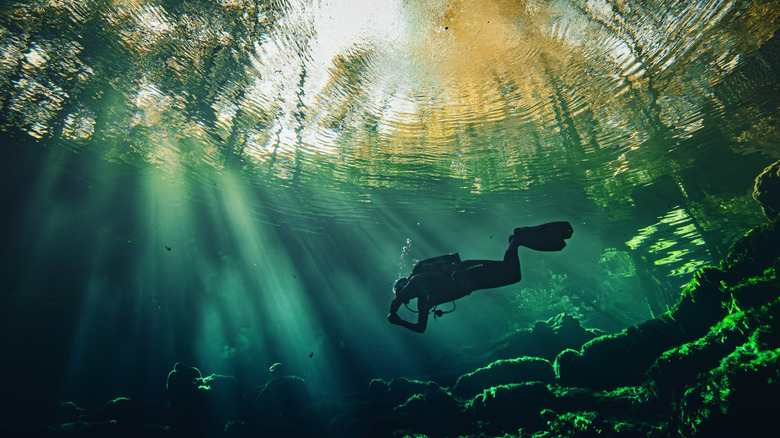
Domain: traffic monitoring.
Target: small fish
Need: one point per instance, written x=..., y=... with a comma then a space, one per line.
x=167, y=247
x=131, y=240
x=311, y=355
x=273, y=367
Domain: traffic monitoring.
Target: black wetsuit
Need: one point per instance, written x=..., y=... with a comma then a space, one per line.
x=443, y=279
x=488, y=274
x=437, y=287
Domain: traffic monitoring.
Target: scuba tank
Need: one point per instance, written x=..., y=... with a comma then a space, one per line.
x=445, y=264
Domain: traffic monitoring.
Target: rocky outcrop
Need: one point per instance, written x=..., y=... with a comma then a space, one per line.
x=545, y=339
x=767, y=191
x=505, y=372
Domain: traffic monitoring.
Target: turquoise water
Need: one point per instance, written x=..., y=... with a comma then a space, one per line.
x=235, y=184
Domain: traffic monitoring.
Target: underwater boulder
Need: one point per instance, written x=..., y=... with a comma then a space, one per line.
x=184, y=384
x=413, y=405
x=595, y=424
x=767, y=191
x=397, y=391
x=35, y=414
x=622, y=359
x=701, y=304
x=627, y=401
x=546, y=339
x=739, y=398
x=276, y=429
x=280, y=408
x=679, y=367
x=35, y=409
x=108, y=429
x=356, y=419
x=126, y=411
x=505, y=371
x=200, y=406
x=569, y=399
x=569, y=328
x=619, y=359
x=435, y=412
x=755, y=292
x=509, y=407
x=753, y=253
x=282, y=397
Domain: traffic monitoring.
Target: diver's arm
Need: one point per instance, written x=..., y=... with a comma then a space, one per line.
x=394, y=305
x=422, y=315
x=418, y=327
x=422, y=321
x=402, y=297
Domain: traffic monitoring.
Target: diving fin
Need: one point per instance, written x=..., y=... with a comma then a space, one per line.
x=545, y=237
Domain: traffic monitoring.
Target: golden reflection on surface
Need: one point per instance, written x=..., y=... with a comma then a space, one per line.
x=359, y=91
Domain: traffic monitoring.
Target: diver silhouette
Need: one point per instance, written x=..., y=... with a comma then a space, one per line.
x=446, y=278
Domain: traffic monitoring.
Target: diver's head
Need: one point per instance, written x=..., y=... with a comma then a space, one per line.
x=399, y=285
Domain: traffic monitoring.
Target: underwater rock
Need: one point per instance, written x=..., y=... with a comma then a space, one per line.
x=282, y=397
x=108, y=429
x=126, y=410
x=35, y=409
x=546, y=339
x=739, y=398
x=594, y=424
x=505, y=371
x=435, y=412
x=721, y=335
x=622, y=359
x=200, y=406
x=701, y=304
x=752, y=254
x=619, y=359
x=767, y=191
x=508, y=407
x=183, y=383
x=357, y=419
x=757, y=291
x=398, y=390
x=675, y=369
x=630, y=401
x=280, y=429
x=410, y=405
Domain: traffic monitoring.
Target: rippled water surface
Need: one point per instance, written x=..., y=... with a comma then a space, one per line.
x=272, y=166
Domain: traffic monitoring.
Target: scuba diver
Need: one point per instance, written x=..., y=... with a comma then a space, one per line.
x=446, y=278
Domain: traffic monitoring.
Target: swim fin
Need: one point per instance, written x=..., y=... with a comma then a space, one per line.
x=545, y=237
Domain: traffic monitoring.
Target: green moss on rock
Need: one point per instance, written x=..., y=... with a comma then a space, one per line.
x=505, y=371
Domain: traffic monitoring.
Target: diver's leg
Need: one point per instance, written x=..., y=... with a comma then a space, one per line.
x=487, y=274
x=510, y=256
